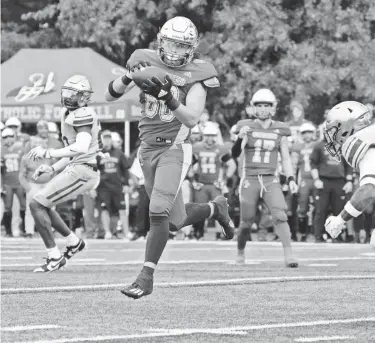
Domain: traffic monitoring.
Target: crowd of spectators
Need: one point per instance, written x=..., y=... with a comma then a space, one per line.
x=118, y=207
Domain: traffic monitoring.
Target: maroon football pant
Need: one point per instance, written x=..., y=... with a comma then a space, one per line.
x=164, y=170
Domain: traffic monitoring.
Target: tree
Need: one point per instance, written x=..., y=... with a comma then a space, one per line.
x=317, y=52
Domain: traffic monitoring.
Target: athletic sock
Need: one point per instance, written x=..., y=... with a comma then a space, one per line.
x=72, y=240
x=54, y=252
x=156, y=241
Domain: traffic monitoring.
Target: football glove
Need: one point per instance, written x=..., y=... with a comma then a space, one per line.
x=158, y=89
x=38, y=153
x=334, y=225
x=42, y=169
x=197, y=185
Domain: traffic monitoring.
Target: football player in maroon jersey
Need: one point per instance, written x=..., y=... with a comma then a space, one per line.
x=170, y=109
x=262, y=140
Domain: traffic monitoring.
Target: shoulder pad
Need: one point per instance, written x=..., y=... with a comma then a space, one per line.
x=283, y=128
x=213, y=82
x=353, y=150
x=80, y=117
x=204, y=71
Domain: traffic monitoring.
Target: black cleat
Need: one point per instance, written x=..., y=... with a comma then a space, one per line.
x=70, y=251
x=222, y=216
x=142, y=286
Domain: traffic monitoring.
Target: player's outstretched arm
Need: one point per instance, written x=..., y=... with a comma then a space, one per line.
x=361, y=198
x=117, y=88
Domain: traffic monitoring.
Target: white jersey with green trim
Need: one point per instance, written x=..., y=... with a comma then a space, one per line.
x=356, y=146
x=83, y=116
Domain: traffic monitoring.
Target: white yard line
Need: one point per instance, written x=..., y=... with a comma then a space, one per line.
x=228, y=261
x=322, y=265
x=16, y=258
x=241, y=330
x=323, y=338
x=222, y=282
x=28, y=328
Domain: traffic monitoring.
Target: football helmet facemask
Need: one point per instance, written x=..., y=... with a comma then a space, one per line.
x=76, y=92
x=264, y=104
x=342, y=121
x=177, y=41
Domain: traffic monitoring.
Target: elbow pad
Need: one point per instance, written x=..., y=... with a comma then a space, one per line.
x=83, y=141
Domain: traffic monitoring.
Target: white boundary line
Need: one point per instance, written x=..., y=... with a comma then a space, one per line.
x=322, y=338
x=228, y=261
x=241, y=330
x=28, y=328
x=222, y=282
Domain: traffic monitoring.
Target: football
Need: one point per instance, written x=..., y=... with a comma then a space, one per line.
x=140, y=76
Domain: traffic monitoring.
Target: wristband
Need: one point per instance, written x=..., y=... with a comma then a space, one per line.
x=290, y=179
x=125, y=80
x=112, y=92
x=171, y=102
x=349, y=178
x=350, y=209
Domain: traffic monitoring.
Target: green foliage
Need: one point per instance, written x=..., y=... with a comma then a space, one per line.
x=313, y=51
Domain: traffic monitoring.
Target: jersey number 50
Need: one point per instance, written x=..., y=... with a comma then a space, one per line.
x=261, y=146
x=154, y=107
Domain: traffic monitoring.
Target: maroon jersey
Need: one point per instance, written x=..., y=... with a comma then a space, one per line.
x=262, y=148
x=158, y=125
x=10, y=163
x=209, y=162
x=303, y=152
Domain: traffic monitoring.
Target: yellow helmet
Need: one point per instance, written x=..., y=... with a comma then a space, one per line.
x=342, y=121
x=177, y=41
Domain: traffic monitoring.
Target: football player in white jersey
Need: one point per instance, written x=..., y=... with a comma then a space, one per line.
x=80, y=130
x=350, y=132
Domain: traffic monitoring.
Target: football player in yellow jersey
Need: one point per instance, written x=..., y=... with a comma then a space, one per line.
x=169, y=111
x=77, y=162
x=350, y=132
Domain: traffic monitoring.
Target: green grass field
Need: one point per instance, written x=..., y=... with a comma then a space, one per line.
x=200, y=294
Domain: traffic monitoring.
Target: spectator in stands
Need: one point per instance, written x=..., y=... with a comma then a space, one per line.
x=53, y=130
x=11, y=154
x=332, y=179
x=114, y=182
x=15, y=124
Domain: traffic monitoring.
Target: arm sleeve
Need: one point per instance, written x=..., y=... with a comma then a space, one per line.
x=236, y=148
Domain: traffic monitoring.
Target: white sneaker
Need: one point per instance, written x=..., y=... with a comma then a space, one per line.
x=108, y=235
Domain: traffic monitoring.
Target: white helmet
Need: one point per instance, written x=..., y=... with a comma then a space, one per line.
x=7, y=132
x=264, y=96
x=177, y=41
x=307, y=127
x=342, y=121
x=211, y=130
x=76, y=92
x=196, y=130
x=13, y=121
